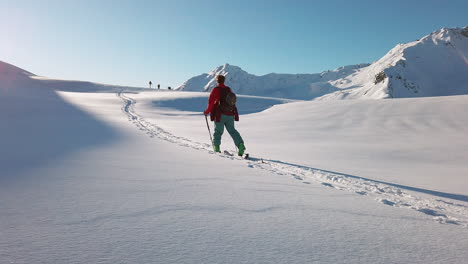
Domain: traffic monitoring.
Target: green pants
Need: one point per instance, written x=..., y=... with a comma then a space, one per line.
x=227, y=121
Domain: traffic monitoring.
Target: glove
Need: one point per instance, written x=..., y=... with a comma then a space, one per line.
x=205, y=112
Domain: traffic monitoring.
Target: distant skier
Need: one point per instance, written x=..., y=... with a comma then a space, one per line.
x=223, y=110
x=150, y=83
x=159, y=86
x=169, y=88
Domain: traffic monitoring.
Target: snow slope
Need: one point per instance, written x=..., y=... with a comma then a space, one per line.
x=14, y=80
x=129, y=177
x=435, y=65
x=41, y=125
x=401, y=143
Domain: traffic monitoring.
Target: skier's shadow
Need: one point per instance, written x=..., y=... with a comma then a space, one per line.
x=459, y=197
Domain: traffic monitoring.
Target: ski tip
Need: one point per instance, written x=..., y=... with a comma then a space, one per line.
x=228, y=153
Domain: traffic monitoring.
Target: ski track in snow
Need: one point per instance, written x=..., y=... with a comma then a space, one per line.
x=442, y=211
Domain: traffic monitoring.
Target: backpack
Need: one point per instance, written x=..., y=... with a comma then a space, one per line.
x=228, y=99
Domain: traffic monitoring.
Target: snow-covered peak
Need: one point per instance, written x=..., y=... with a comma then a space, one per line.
x=292, y=86
x=435, y=65
x=230, y=71
x=206, y=81
x=226, y=69
x=445, y=35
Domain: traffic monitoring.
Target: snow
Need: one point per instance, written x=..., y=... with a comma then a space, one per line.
x=95, y=173
x=357, y=145
x=435, y=65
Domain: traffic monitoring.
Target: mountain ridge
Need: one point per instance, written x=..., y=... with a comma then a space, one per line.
x=291, y=86
x=434, y=65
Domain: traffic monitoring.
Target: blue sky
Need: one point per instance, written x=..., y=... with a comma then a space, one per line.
x=132, y=42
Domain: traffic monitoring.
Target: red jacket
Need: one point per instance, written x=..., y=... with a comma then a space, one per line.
x=213, y=103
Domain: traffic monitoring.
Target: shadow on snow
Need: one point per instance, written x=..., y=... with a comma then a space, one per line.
x=245, y=105
x=38, y=127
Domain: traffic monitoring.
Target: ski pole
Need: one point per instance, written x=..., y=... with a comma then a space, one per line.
x=209, y=131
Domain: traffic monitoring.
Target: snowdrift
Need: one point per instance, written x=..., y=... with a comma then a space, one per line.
x=38, y=125
x=435, y=65
x=13, y=80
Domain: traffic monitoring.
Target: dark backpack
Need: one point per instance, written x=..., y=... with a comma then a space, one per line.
x=228, y=99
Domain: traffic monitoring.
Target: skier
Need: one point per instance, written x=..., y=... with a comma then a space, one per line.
x=223, y=113
x=150, y=83
x=159, y=86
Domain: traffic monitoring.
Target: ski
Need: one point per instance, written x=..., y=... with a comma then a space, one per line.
x=246, y=156
x=250, y=158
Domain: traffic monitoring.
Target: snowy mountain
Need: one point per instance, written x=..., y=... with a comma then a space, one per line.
x=435, y=65
x=293, y=86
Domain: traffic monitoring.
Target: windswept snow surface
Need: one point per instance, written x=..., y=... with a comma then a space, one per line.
x=129, y=177
x=376, y=148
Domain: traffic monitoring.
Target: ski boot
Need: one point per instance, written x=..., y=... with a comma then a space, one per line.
x=216, y=148
x=241, y=149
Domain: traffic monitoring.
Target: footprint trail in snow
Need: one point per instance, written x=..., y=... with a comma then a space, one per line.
x=444, y=211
